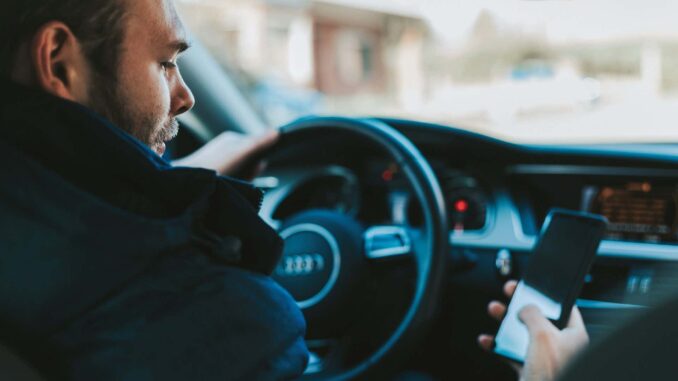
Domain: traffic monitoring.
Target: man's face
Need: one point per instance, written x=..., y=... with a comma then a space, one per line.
x=149, y=91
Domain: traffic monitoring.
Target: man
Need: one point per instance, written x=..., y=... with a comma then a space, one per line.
x=115, y=265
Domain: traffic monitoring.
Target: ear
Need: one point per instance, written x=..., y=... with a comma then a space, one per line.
x=60, y=65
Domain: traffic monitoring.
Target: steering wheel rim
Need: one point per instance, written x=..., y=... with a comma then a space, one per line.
x=430, y=265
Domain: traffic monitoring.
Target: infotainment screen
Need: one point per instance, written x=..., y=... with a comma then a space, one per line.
x=637, y=211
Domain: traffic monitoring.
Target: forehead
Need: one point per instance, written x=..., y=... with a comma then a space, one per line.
x=157, y=20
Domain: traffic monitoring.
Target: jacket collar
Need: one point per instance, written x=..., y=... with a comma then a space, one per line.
x=89, y=152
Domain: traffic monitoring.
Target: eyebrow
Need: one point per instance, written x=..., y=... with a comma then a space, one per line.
x=180, y=46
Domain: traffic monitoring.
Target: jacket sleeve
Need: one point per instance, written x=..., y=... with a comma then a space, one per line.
x=188, y=321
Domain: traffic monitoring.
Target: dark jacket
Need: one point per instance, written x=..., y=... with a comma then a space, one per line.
x=115, y=265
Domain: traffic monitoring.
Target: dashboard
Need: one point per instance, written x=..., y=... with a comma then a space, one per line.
x=497, y=196
x=497, y=193
x=376, y=193
x=639, y=203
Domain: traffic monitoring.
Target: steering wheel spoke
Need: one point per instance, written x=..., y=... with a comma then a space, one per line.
x=387, y=241
x=318, y=352
x=324, y=356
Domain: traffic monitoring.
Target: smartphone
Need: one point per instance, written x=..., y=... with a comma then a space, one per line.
x=555, y=274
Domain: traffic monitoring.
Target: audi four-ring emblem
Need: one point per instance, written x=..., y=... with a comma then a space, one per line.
x=303, y=264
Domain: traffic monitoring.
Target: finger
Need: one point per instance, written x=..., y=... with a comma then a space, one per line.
x=535, y=321
x=576, y=321
x=252, y=171
x=261, y=168
x=496, y=310
x=518, y=368
x=246, y=163
x=252, y=145
x=265, y=141
x=510, y=288
x=486, y=342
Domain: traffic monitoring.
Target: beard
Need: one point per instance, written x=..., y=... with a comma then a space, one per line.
x=108, y=99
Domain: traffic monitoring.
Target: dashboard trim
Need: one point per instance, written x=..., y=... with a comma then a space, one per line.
x=575, y=170
x=600, y=305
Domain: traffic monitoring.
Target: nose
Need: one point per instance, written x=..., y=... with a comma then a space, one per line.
x=182, y=97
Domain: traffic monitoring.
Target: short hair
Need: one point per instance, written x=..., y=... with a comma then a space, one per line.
x=98, y=25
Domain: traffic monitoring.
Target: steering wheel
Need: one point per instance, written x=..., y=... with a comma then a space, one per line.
x=326, y=251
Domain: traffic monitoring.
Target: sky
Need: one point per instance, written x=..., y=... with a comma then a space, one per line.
x=559, y=20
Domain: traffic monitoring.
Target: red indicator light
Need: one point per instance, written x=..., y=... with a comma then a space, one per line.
x=387, y=175
x=461, y=206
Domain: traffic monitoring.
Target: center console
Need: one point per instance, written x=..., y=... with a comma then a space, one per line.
x=637, y=265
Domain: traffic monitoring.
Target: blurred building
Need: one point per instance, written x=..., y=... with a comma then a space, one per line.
x=337, y=47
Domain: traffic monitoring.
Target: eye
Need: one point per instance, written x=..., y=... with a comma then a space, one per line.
x=168, y=65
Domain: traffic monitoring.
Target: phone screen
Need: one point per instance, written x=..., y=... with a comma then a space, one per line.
x=554, y=277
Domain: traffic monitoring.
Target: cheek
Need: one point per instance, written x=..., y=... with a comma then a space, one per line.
x=164, y=92
x=151, y=93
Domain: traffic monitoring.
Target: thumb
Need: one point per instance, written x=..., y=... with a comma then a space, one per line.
x=534, y=320
x=265, y=141
x=576, y=321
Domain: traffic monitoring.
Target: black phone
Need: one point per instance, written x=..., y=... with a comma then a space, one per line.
x=555, y=275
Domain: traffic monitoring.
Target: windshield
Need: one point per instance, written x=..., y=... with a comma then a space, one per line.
x=559, y=71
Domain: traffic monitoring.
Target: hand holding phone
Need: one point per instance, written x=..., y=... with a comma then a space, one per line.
x=555, y=275
x=550, y=349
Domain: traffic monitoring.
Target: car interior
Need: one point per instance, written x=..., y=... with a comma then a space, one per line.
x=399, y=231
x=405, y=300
